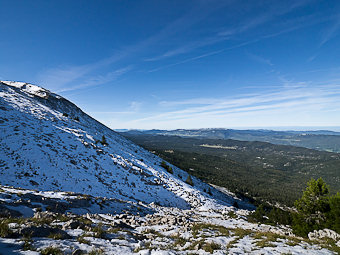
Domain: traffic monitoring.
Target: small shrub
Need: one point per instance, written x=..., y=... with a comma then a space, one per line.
x=198, y=227
x=235, y=204
x=232, y=215
x=189, y=181
x=121, y=237
x=56, y=236
x=266, y=239
x=84, y=221
x=38, y=209
x=81, y=239
x=167, y=167
x=99, y=232
x=179, y=241
x=211, y=247
x=51, y=251
x=4, y=230
x=103, y=141
x=28, y=244
x=96, y=252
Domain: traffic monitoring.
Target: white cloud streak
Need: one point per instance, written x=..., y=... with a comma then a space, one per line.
x=59, y=78
x=331, y=32
x=288, y=103
x=97, y=80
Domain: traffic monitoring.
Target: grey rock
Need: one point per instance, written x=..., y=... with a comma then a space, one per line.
x=324, y=233
x=121, y=224
x=8, y=213
x=72, y=224
x=41, y=231
x=46, y=214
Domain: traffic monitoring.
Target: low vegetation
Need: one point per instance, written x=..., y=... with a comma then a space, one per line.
x=51, y=251
x=167, y=167
x=4, y=229
x=316, y=209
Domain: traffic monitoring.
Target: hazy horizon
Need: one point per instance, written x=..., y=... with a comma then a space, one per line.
x=334, y=128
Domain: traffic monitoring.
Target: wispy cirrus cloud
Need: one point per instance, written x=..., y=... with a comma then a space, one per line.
x=97, y=80
x=226, y=34
x=309, y=20
x=60, y=78
x=332, y=31
x=133, y=107
x=188, y=47
x=187, y=60
x=303, y=101
x=266, y=16
x=260, y=59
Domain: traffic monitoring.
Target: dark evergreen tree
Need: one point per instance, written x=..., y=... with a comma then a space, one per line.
x=333, y=216
x=103, y=141
x=312, y=208
x=189, y=181
x=167, y=167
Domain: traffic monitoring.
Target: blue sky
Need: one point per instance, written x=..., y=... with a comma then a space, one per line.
x=180, y=64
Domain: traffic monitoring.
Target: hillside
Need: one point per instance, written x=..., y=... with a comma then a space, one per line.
x=48, y=143
x=70, y=185
x=269, y=172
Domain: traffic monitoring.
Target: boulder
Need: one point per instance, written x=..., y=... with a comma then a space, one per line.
x=41, y=231
x=8, y=213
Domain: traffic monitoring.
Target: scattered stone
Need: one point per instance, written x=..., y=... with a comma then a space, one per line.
x=121, y=224
x=34, y=183
x=324, y=233
x=72, y=224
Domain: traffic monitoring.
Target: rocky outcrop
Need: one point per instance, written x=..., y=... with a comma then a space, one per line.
x=324, y=233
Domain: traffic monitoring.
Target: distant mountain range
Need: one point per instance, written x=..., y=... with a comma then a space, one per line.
x=324, y=140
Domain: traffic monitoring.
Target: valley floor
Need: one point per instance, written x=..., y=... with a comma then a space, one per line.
x=70, y=223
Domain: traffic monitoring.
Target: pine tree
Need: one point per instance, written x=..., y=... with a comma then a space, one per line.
x=189, y=181
x=167, y=167
x=312, y=207
x=103, y=141
x=333, y=216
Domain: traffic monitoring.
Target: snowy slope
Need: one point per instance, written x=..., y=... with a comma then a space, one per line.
x=49, y=146
x=48, y=143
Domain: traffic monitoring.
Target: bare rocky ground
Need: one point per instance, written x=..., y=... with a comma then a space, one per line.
x=33, y=222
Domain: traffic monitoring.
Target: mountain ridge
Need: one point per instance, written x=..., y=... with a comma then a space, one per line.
x=51, y=144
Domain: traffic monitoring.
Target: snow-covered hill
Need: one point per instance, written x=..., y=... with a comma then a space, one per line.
x=48, y=143
x=64, y=189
